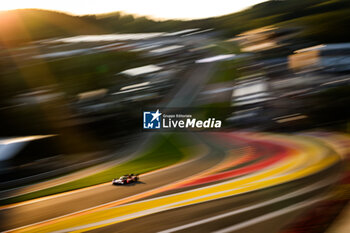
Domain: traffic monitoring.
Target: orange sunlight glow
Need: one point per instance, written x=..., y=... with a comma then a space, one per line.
x=161, y=9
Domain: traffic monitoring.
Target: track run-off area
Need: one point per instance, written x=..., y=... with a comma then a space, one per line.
x=244, y=182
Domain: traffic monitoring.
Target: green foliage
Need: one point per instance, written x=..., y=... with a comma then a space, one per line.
x=226, y=72
x=225, y=47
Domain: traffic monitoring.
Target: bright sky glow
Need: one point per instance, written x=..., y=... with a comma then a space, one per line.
x=162, y=9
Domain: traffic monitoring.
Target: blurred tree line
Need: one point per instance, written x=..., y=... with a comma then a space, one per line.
x=320, y=20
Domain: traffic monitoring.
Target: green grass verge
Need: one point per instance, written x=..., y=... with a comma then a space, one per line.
x=225, y=47
x=226, y=72
x=165, y=150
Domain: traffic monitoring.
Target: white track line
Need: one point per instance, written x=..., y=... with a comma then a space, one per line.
x=166, y=207
x=271, y=215
x=299, y=192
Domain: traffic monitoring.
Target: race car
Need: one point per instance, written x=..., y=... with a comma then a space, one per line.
x=126, y=179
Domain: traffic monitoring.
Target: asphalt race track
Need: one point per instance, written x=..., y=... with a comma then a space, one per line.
x=241, y=182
